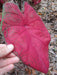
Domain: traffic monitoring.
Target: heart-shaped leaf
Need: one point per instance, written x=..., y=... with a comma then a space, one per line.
x=27, y=32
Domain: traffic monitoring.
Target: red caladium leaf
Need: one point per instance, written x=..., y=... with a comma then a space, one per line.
x=27, y=32
x=2, y=1
x=0, y=19
x=36, y=1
